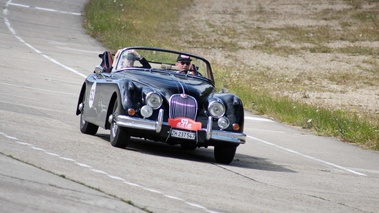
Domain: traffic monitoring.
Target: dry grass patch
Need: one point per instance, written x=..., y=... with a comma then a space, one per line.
x=314, y=64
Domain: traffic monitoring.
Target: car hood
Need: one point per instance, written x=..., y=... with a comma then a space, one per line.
x=168, y=83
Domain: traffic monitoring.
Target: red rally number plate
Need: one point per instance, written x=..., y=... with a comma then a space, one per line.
x=184, y=123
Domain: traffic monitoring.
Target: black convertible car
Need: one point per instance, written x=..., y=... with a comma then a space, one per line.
x=161, y=95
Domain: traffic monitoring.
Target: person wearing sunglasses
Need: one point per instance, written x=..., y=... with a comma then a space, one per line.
x=183, y=63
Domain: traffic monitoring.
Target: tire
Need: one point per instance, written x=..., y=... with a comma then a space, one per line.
x=187, y=146
x=118, y=137
x=86, y=127
x=224, y=153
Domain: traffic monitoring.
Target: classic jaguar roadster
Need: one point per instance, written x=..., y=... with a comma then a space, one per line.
x=145, y=92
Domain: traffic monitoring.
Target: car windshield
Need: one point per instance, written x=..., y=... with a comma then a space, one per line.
x=164, y=60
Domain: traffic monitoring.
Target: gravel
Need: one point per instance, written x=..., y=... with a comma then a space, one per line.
x=333, y=79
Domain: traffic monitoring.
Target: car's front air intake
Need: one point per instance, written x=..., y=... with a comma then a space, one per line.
x=182, y=105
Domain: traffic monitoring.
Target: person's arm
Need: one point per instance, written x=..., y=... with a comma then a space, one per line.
x=144, y=62
x=193, y=70
x=141, y=59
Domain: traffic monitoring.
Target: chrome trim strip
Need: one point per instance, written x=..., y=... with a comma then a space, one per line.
x=140, y=123
x=159, y=122
x=234, y=137
x=209, y=129
x=81, y=106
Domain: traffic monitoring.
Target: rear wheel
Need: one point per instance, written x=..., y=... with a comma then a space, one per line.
x=87, y=127
x=118, y=137
x=224, y=153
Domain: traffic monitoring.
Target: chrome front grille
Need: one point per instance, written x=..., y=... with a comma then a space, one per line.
x=182, y=105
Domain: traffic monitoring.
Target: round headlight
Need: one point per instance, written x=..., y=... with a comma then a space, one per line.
x=146, y=111
x=223, y=122
x=216, y=109
x=153, y=100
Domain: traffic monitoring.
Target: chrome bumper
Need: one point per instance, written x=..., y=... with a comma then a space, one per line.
x=145, y=124
x=234, y=137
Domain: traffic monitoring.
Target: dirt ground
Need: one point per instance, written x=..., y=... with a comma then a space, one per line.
x=330, y=79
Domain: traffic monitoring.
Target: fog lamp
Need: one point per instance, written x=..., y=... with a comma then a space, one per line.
x=223, y=122
x=146, y=111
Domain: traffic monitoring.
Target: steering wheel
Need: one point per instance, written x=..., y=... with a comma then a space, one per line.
x=185, y=71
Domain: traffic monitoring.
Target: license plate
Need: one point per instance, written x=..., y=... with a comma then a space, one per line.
x=182, y=134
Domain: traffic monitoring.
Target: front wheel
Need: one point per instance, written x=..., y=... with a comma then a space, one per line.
x=188, y=146
x=224, y=153
x=118, y=137
x=86, y=127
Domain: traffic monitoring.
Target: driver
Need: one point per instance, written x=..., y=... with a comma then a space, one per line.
x=183, y=62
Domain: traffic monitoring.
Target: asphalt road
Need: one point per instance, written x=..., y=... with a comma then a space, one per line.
x=47, y=165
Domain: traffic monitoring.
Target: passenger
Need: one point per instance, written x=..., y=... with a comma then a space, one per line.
x=129, y=57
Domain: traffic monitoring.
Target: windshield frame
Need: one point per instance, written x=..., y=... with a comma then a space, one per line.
x=165, y=64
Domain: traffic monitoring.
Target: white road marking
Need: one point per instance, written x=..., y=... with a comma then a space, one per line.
x=98, y=171
x=174, y=198
x=152, y=190
x=10, y=137
x=366, y=170
x=307, y=156
x=67, y=159
x=8, y=24
x=36, y=148
x=42, y=8
x=195, y=205
x=258, y=119
x=22, y=143
x=117, y=178
x=83, y=165
x=52, y=154
x=132, y=184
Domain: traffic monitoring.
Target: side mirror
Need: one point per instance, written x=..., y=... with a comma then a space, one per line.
x=98, y=69
x=224, y=89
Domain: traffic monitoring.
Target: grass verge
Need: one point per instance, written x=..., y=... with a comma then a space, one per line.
x=121, y=23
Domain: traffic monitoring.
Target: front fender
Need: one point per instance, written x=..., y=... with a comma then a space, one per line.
x=234, y=108
x=81, y=97
x=111, y=104
x=131, y=95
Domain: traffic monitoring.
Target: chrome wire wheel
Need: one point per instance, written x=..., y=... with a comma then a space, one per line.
x=118, y=137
